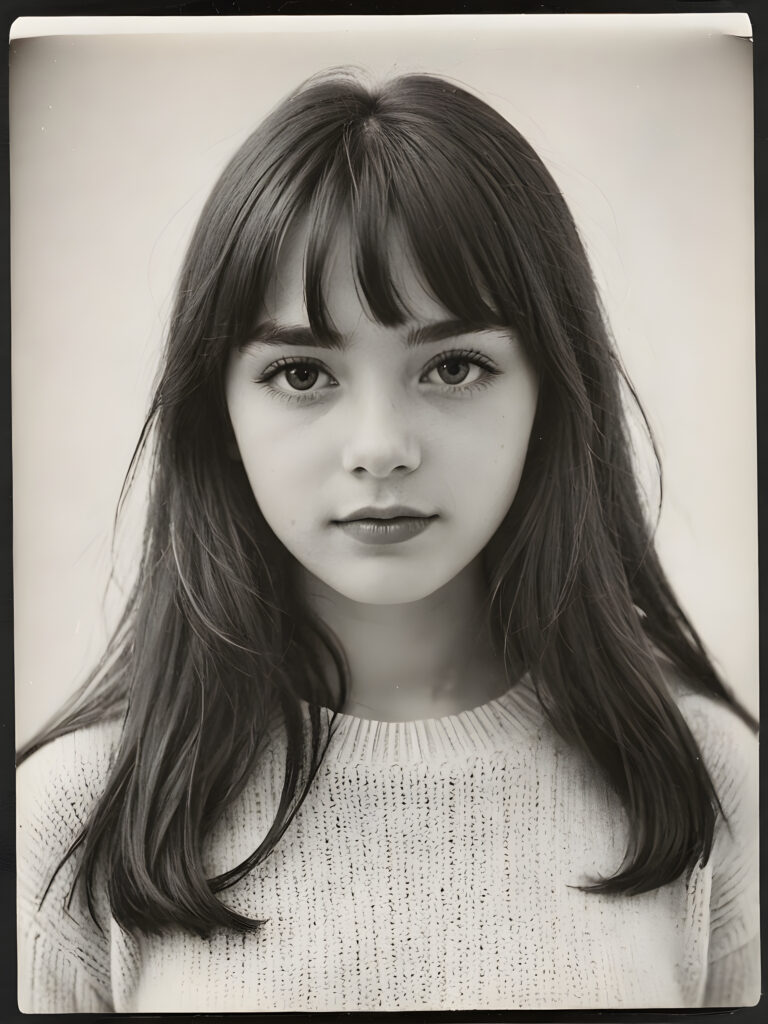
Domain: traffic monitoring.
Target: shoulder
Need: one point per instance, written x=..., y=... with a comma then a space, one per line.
x=63, y=954
x=729, y=750
x=727, y=743
x=78, y=760
x=57, y=786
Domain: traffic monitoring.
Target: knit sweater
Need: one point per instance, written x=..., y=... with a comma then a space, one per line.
x=434, y=865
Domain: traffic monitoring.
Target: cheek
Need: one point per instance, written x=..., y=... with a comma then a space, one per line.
x=285, y=465
x=488, y=455
x=277, y=473
x=490, y=483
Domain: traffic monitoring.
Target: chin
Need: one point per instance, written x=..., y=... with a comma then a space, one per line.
x=385, y=588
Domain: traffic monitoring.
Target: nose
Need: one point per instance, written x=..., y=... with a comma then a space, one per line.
x=380, y=440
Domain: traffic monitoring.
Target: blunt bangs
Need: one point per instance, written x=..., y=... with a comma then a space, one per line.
x=399, y=168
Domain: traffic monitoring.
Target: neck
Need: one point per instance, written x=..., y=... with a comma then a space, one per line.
x=424, y=659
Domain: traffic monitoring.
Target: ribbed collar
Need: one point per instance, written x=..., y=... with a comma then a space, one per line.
x=495, y=726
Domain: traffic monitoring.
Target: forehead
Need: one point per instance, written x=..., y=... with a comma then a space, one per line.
x=285, y=298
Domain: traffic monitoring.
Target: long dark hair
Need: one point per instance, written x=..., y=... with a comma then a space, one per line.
x=214, y=639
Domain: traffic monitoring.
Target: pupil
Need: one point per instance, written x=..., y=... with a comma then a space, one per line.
x=453, y=371
x=301, y=378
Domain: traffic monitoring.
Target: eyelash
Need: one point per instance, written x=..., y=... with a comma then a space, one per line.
x=287, y=363
x=306, y=397
x=463, y=356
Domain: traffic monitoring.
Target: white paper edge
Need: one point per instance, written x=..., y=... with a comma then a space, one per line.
x=716, y=23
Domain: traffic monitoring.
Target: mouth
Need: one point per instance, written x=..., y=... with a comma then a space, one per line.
x=370, y=512
x=385, y=525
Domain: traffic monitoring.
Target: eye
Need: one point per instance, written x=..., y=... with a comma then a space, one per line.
x=453, y=371
x=458, y=368
x=301, y=377
x=296, y=375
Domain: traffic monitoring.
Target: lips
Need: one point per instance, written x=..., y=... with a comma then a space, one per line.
x=390, y=512
x=391, y=525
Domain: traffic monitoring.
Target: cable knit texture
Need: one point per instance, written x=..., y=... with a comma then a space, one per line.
x=433, y=866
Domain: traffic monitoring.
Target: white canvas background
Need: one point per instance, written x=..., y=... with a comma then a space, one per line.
x=646, y=124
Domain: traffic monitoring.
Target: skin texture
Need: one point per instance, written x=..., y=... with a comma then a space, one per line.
x=381, y=422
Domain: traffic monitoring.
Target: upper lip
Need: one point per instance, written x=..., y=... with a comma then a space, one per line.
x=390, y=512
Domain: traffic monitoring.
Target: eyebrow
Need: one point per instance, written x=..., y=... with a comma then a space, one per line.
x=271, y=333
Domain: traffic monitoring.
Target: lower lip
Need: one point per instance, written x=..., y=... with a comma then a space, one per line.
x=386, y=531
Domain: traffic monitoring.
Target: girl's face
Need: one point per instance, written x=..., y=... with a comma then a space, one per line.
x=386, y=461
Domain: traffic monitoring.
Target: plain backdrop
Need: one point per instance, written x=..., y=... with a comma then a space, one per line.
x=116, y=139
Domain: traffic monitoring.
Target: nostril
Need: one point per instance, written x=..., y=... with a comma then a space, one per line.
x=380, y=454
x=360, y=470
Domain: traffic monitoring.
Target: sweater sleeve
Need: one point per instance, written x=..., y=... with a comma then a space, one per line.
x=63, y=954
x=729, y=749
x=734, y=979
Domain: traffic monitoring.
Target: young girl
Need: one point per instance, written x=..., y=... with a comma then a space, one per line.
x=402, y=713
